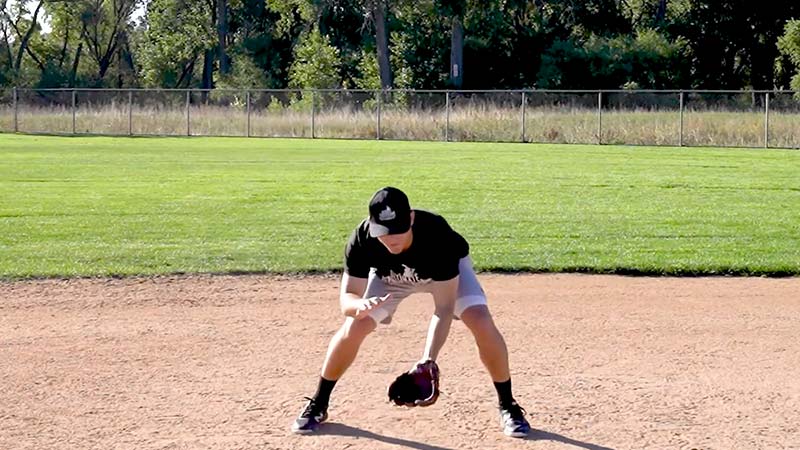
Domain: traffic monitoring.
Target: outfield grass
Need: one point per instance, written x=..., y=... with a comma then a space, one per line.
x=123, y=206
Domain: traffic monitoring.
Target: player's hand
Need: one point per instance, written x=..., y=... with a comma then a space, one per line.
x=368, y=304
x=421, y=363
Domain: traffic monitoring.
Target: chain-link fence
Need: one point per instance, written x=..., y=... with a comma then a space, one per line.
x=681, y=118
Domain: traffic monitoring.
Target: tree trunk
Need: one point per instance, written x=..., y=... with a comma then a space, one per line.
x=8, y=49
x=222, y=32
x=187, y=71
x=63, y=55
x=382, y=41
x=75, y=62
x=35, y=59
x=23, y=44
x=208, y=71
x=104, y=63
x=457, y=53
x=661, y=11
x=127, y=55
x=120, y=60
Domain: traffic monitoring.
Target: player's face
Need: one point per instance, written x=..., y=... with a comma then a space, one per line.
x=396, y=243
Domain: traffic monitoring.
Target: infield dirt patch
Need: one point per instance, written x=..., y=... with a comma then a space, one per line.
x=599, y=362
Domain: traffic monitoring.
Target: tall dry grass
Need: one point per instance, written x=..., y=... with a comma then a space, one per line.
x=467, y=124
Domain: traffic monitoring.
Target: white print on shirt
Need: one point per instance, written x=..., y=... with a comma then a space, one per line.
x=409, y=276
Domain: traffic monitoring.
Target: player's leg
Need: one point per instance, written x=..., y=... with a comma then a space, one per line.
x=491, y=345
x=344, y=346
x=342, y=351
x=472, y=309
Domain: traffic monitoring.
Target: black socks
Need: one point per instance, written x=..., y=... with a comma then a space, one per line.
x=504, y=393
x=324, y=389
x=323, y=395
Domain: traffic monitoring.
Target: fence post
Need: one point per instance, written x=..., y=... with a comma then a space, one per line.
x=313, y=114
x=447, y=116
x=248, y=112
x=378, y=95
x=73, y=110
x=16, y=111
x=680, y=125
x=524, y=104
x=600, y=117
x=766, y=120
x=188, y=117
x=130, y=113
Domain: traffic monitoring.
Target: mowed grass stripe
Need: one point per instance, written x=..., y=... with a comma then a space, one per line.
x=124, y=206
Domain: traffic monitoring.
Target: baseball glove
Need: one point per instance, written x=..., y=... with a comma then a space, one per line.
x=417, y=387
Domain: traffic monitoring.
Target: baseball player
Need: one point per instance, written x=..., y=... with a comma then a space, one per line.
x=395, y=252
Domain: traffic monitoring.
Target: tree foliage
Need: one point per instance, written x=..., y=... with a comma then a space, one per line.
x=496, y=44
x=789, y=45
x=178, y=34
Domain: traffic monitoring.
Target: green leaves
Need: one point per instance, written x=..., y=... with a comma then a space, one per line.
x=789, y=45
x=507, y=44
x=648, y=60
x=178, y=33
x=316, y=64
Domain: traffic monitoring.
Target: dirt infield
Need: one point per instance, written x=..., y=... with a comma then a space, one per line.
x=599, y=362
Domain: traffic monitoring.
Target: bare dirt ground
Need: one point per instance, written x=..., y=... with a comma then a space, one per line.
x=599, y=362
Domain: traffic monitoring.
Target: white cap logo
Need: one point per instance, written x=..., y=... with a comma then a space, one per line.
x=386, y=214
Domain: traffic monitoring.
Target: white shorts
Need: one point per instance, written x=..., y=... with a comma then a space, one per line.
x=470, y=292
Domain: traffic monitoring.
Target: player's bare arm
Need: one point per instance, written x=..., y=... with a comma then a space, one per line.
x=444, y=298
x=351, y=297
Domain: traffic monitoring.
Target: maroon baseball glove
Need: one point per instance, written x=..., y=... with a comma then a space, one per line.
x=417, y=387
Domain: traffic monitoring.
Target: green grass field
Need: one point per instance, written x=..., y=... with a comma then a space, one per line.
x=123, y=206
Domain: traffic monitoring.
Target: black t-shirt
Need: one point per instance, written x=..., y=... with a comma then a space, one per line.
x=433, y=255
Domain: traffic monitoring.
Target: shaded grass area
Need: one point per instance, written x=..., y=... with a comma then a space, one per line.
x=126, y=206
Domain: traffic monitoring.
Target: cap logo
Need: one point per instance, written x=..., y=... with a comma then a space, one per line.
x=386, y=214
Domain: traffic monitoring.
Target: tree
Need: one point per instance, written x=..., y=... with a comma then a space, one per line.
x=222, y=33
x=728, y=44
x=376, y=10
x=789, y=46
x=504, y=44
x=104, y=30
x=453, y=11
x=648, y=60
x=13, y=19
x=316, y=64
x=733, y=42
x=178, y=33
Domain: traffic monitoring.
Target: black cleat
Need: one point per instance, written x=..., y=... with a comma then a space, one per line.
x=310, y=418
x=512, y=419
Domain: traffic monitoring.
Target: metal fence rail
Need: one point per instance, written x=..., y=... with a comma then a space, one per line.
x=634, y=117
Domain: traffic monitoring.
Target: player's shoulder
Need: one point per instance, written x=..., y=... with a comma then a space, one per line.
x=428, y=216
x=360, y=233
x=362, y=230
x=427, y=219
x=363, y=226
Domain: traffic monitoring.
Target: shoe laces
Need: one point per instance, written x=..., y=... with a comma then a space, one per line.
x=312, y=408
x=515, y=411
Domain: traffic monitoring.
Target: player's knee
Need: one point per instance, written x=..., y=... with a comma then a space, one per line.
x=357, y=330
x=477, y=318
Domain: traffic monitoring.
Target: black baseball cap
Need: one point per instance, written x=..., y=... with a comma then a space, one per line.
x=389, y=212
